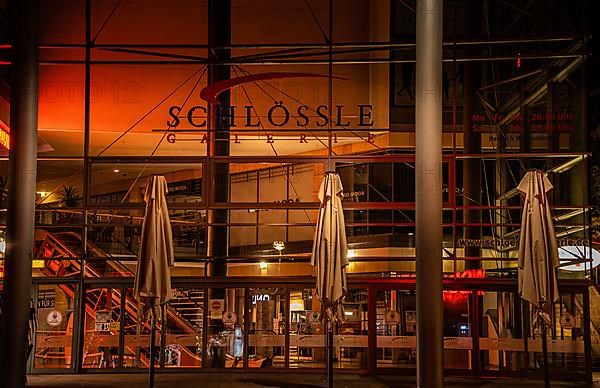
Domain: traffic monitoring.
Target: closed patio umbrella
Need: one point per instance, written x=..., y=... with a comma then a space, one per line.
x=153, y=276
x=538, y=252
x=330, y=257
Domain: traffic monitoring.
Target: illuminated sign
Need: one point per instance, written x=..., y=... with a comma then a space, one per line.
x=580, y=256
x=459, y=296
x=260, y=298
x=279, y=115
x=4, y=139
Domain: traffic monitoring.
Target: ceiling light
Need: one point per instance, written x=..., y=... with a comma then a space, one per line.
x=279, y=245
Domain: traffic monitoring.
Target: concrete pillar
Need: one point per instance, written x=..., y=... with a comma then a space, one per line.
x=21, y=195
x=428, y=107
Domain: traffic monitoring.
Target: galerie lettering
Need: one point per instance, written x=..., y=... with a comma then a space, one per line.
x=278, y=115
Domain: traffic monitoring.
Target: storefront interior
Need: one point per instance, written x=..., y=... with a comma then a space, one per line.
x=128, y=99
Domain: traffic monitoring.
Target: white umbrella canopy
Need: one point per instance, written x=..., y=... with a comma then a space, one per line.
x=153, y=276
x=330, y=250
x=538, y=248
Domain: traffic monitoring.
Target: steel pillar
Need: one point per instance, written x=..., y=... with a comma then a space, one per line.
x=219, y=35
x=428, y=108
x=21, y=195
x=471, y=139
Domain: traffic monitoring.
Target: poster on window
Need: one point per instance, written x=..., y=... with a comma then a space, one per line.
x=411, y=321
x=102, y=321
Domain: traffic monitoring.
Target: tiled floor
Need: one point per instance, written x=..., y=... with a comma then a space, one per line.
x=242, y=380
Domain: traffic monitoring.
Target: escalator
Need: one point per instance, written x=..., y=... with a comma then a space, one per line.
x=61, y=252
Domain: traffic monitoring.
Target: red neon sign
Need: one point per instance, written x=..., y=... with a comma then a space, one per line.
x=458, y=296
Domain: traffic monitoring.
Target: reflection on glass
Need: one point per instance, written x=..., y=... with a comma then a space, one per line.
x=458, y=340
x=225, y=346
x=307, y=346
x=266, y=332
x=136, y=344
x=510, y=337
x=120, y=183
x=351, y=342
x=55, y=313
x=102, y=325
x=185, y=314
x=396, y=329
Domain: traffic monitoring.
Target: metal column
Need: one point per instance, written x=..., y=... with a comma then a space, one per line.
x=219, y=39
x=428, y=108
x=219, y=35
x=471, y=139
x=21, y=195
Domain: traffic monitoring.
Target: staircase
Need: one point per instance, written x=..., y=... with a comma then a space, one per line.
x=60, y=252
x=189, y=304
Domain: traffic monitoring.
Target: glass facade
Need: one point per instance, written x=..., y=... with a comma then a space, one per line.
x=243, y=180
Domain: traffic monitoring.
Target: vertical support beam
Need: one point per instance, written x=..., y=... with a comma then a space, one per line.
x=286, y=319
x=553, y=135
x=475, y=311
x=219, y=36
x=472, y=140
x=21, y=195
x=80, y=302
x=587, y=336
x=219, y=41
x=372, y=329
x=430, y=366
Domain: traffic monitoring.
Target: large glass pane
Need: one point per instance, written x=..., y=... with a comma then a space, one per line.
x=185, y=319
x=59, y=184
x=502, y=326
x=54, y=335
x=226, y=330
x=458, y=340
x=102, y=327
x=61, y=107
x=57, y=252
x=114, y=183
x=137, y=334
x=116, y=234
x=133, y=116
x=564, y=336
x=396, y=329
x=307, y=339
x=351, y=339
x=266, y=332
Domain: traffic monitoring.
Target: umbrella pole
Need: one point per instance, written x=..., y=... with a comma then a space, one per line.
x=545, y=352
x=329, y=353
x=152, y=344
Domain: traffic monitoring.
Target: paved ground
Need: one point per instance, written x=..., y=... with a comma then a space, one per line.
x=283, y=380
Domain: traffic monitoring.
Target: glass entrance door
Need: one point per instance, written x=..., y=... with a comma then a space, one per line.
x=102, y=339
x=396, y=329
x=54, y=306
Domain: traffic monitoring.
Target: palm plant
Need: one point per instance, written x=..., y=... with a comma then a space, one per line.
x=69, y=197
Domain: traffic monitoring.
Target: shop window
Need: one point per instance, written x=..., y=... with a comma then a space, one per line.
x=55, y=314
